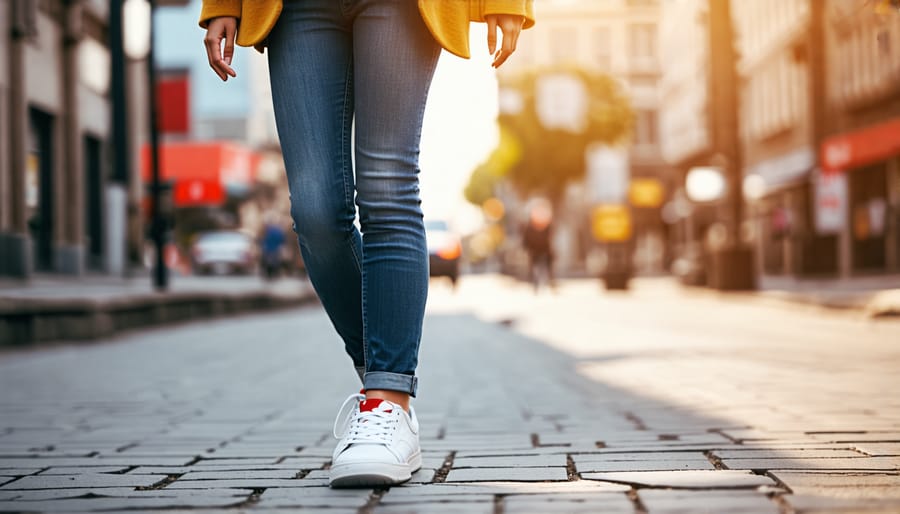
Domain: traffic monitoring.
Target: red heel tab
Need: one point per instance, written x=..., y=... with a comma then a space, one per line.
x=371, y=404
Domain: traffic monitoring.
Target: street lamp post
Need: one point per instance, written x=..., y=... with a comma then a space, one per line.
x=137, y=18
x=733, y=264
x=158, y=222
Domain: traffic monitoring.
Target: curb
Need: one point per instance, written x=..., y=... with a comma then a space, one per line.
x=30, y=321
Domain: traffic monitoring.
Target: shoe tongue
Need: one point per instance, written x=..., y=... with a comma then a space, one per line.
x=375, y=404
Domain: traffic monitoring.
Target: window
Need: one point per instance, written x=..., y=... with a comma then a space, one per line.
x=601, y=48
x=562, y=45
x=642, y=41
x=645, y=128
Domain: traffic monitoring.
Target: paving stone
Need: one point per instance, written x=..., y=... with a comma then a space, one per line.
x=685, y=479
x=609, y=503
x=16, y=472
x=72, y=470
x=809, y=504
x=306, y=462
x=57, y=494
x=475, y=446
x=306, y=498
x=107, y=504
x=506, y=474
x=227, y=475
x=99, y=462
x=84, y=480
x=639, y=456
x=848, y=479
x=162, y=470
x=891, y=492
x=880, y=449
x=436, y=508
x=247, y=483
x=533, y=452
x=423, y=476
x=795, y=453
x=517, y=461
x=506, y=488
x=641, y=465
x=706, y=502
x=211, y=461
x=870, y=463
x=857, y=437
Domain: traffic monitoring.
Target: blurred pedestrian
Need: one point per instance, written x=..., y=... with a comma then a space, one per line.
x=271, y=246
x=537, y=239
x=369, y=64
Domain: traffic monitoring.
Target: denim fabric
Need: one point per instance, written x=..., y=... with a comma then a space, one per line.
x=369, y=64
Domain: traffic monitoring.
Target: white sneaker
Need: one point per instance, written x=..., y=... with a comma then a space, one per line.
x=379, y=444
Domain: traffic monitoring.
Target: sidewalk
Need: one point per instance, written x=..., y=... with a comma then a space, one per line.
x=875, y=296
x=49, y=308
x=645, y=402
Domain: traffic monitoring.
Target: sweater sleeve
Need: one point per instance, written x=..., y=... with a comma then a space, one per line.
x=521, y=7
x=216, y=8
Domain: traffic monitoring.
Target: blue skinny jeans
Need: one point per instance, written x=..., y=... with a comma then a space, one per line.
x=353, y=76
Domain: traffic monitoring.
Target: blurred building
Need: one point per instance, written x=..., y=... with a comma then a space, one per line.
x=695, y=129
x=56, y=184
x=780, y=122
x=618, y=38
x=820, y=88
x=819, y=102
x=858, y=198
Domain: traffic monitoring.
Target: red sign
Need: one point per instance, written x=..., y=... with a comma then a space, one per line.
x=174, y=104
x=197, y=192
x=203, y=172
x=861, y=148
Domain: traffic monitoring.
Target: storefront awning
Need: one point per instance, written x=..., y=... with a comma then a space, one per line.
x=203, y=173
x=862, y=147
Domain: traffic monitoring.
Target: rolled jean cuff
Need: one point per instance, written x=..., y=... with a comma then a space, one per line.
x=391, y=382
x=361, y=371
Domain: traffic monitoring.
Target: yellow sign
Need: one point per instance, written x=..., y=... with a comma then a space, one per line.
x=611, y=223
x=646, y=192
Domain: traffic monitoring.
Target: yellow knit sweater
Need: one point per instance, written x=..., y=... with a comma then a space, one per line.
x=448, y=20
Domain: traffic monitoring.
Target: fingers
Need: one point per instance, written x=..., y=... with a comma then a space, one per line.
x=229, y=44
x=511, y=26
x=492, y=34
x=219, y=60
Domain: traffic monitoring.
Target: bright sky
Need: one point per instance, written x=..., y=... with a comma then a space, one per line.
x=460, y=132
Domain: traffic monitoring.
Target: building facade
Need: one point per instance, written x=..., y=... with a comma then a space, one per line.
x=686, y=134
x=820, y=109
x=781, y=121
x=860, y=156
x=54, y=133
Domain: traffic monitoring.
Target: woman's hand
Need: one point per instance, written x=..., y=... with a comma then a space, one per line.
x=218, y=29
x=511, y=26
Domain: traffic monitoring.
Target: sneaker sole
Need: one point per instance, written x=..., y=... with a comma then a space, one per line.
x=373, y=474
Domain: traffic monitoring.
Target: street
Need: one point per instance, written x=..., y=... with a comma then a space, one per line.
x=657, y=400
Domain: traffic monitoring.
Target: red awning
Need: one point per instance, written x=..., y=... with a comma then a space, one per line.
x=862, y=147
x=202, y=173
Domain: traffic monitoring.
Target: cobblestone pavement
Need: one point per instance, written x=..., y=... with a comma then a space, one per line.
x=655, y=401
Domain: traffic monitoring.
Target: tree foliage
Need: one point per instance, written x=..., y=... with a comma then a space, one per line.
x=483, y=179
x=551, y=158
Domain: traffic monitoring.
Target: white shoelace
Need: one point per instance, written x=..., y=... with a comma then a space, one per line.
x=363, y=427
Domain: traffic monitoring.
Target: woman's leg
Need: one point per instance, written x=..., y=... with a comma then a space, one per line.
x=394, y=60
x=311, y=68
